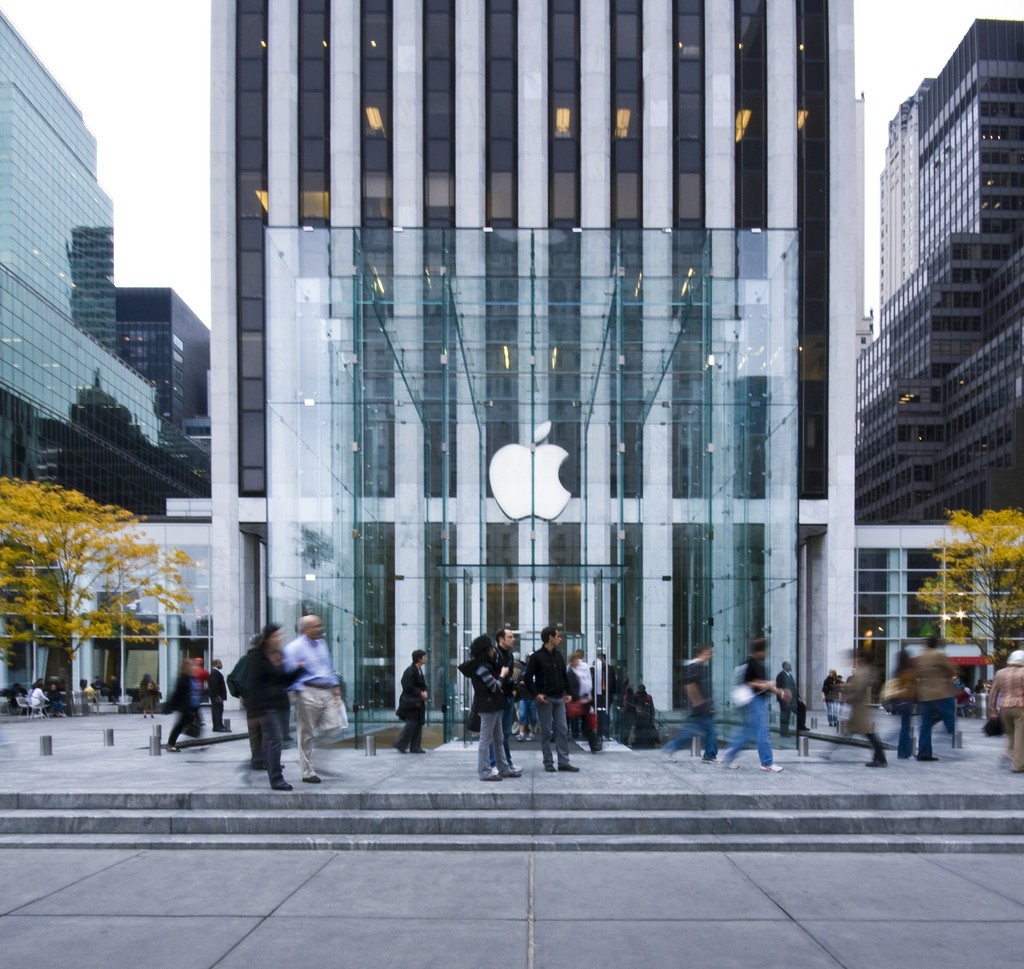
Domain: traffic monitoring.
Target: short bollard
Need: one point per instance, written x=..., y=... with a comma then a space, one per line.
x=46, y=746
x=958, y=739
x=227, y=724
x=814, y=723
x=157, y=732
x=108, y=737
x=805, y=748
x=371, y=745
x=154, y=746
x=695, y=746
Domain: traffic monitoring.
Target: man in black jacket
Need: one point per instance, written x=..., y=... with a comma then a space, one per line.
x=546, y=681
x=217, y=688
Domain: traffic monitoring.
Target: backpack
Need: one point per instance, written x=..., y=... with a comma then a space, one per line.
x=741, y=693
x=238, y=677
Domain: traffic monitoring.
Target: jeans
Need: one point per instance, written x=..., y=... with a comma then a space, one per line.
x=945, y=710
x=491, y=739
x=905, y=710
x=270, y=723
x=696, y=726
x=754, y=727
x=506, y=729
x=527, y=715
x=552, y=710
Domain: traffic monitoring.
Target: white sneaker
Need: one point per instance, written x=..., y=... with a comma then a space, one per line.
x=730, y=765
x=668, y=757
x=771, y=768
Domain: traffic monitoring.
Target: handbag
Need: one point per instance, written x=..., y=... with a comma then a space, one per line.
x=335, y=716
x=473, y=718
x=742, y=694
x=575, y=708
x=993, y=728
x=194, y=727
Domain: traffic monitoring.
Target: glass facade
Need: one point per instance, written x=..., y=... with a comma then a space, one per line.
x=662, y=400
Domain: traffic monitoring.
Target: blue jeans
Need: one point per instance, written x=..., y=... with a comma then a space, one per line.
x=506, y=726
x=754, y=727
x=905, y=710
x=696, y=726
x=527, y=715
x=945, y=710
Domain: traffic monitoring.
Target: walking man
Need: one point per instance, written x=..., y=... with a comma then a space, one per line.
x=413, y=706
x=755, y=712
x=701, y=719
x=316, y=688
x=546, y=681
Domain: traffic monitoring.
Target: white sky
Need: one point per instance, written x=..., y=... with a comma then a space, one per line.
x=139, y=72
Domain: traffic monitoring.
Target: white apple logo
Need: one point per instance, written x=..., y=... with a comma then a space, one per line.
x=509, y=474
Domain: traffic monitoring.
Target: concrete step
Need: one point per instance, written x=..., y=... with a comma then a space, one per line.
x=944, y=844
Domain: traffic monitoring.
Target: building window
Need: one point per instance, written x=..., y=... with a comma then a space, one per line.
x=439, y=113
x=751, y=105
x=376, y=120
x=314, y=112
x=688, y=119
x=627, y=113
x=564, y=113
x=502, y=148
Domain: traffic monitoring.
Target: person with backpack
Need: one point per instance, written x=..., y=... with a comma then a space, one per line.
x=700, y=721
x=238, y=680
x=755, y=710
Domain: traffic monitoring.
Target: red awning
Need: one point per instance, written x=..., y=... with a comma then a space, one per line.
x=971, y=660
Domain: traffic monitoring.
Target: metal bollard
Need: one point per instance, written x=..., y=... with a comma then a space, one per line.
x=46, y=746
x=371, y=745
x=804, y=750
x=227, y=724
x=154, y=746
x=157, y=732
x=695, y=750
x=814, y=723
x=958, y=739
x=108, y=737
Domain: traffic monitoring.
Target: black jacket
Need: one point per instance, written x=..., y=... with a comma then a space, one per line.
x=215, y=685
x=545, y=673
x=267, y=686
x=488, y=687
x=410, y=704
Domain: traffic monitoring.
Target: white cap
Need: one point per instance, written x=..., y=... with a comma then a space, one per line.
x=1016, y=658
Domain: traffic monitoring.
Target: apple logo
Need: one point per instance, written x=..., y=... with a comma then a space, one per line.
x=509, y=474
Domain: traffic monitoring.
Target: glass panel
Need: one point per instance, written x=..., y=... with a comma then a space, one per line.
x=508, y=380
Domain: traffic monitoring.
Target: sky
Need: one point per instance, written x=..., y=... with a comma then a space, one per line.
x=139, y=72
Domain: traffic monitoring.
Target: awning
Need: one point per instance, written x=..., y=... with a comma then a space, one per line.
x=971, y=660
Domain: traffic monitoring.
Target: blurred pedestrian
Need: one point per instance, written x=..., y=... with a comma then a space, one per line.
x=1006, y=702
x=830, y=693
x=700, y=719
x=149, y=694
x=581, y=696
x=316, y=688
x=267, y=695
x=933, y=682
x=184, y=701
x=856, y=693
x=755, y=711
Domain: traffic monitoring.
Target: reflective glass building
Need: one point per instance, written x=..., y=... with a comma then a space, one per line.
x=71, y=411
x=533, y=312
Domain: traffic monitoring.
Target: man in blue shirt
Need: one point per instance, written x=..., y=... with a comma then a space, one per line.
x=316, y=688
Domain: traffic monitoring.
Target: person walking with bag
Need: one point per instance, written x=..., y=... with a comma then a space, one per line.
x=701, y=719
x=412, y=706
x=856, y=693
x=185, y=702
x=581, y=702
x=755, y=711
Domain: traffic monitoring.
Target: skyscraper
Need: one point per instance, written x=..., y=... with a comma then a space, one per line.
x=71, y=411
x=618, y=229
x=939, y=413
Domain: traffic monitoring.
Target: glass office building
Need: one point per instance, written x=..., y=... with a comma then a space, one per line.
x=533, y=312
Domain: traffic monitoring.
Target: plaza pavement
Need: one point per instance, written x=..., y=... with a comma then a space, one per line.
x=111, y=907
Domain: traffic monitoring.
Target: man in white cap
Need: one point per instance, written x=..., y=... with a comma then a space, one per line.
x=1006, y=701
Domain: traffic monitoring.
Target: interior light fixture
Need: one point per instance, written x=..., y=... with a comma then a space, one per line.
x=554, y=357
x=507, y=356
x=801, y=118
x=376, y=122
x=622, y=123
x=742, y=120
x=563, y=119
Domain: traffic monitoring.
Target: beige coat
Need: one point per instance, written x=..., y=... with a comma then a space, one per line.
x=857, y=695
x=933, y=675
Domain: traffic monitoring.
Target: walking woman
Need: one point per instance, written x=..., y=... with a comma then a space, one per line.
x=267, y=697
x=184, y=701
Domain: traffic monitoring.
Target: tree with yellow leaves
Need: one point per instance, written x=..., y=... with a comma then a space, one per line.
x=979, y=589
x=71, y=569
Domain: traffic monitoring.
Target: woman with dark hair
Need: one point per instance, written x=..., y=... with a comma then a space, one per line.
x=184, y=701
x=267, y=696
